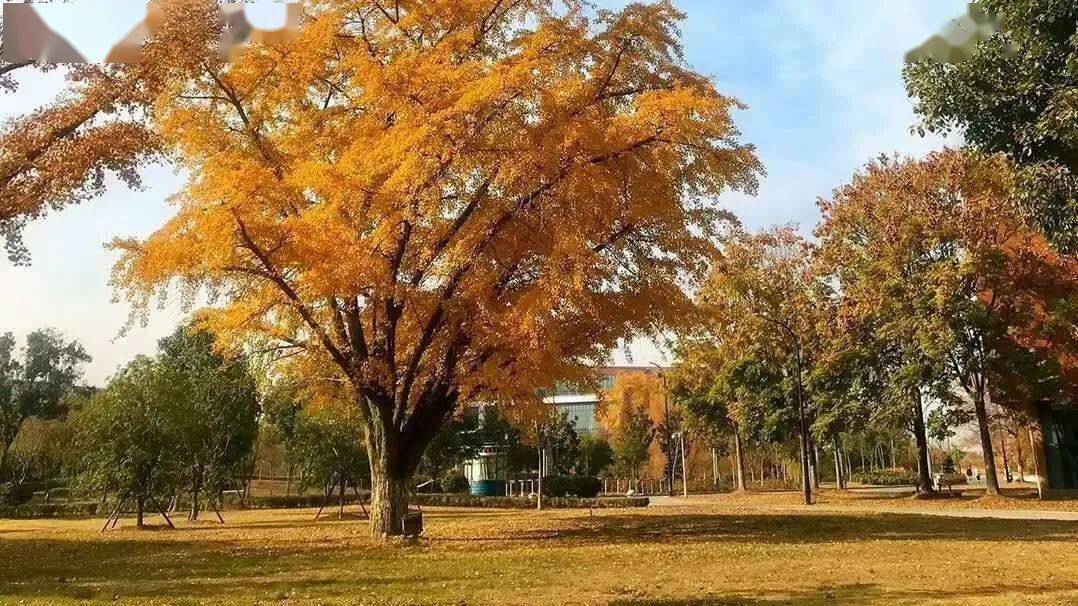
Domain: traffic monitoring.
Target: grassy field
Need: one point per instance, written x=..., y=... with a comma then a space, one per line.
x=730, y=552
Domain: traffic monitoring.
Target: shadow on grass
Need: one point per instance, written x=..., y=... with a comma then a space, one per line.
x=787, y=529
x=136, y=565
x=133, y=568
x=859, y=594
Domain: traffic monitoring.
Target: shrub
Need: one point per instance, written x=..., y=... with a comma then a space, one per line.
x=885, y=477
x=23, y=492
x=455, y=483
x=30, y=511
x=586, y=487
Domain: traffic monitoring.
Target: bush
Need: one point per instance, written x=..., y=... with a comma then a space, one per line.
x=30, y=511
x=17, y=494
x=455, y=483
x=586, y=487
x=885, y=477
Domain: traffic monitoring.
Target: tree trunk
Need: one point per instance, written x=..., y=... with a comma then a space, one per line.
x=389, y=490
x=924, y=477
x=739, y=460
x=991, y=479
x=140, y=510
x=715, y=466
x=840, y=483
x=815, y=464
x=4, y=448
x=340, y=497
x=194, y=505
x=1006, y=461
x=1021, y=458
x=196, y=488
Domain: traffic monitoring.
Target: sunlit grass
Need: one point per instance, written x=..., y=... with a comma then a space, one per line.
x=732, y=553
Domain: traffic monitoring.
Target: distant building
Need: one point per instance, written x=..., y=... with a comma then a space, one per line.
x=488, y=472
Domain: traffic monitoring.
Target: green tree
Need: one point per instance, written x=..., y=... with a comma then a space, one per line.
x=763, y=300
x=633, y=436
x=40, y=450
x=221, y=407
x=459, y=440
x=38, y=384
x=595, y=456
x=1017, y=94
x=282, y=404
x=330, y=447
x=127, y=437
x=561, y=442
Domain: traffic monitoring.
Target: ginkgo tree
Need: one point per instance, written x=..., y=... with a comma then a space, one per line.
x=441, y=201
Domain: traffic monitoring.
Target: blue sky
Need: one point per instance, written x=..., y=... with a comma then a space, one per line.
x=820, y=77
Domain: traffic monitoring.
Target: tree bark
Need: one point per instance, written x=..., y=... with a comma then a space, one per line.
x=739, y=460
x=389, y=503
x=1021, y=457
x=196, y=489
x=815, y=450
x=714, y=467
x=920, y=436
x=1006, y=461
x=991, y=479
x=840, y=480
x=140, y=510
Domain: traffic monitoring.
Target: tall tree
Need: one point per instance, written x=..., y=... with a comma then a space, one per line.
x=446, y=201
x=330, y=449
x=220, y=406
x=1017, y=94
x=633, y=436
x=762, y=298
x=936, y=251
x=127, y=437
x=704, y=384
x=282, y=402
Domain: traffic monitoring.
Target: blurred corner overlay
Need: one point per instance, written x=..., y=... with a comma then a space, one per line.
x=27, y=37
x=959, y=39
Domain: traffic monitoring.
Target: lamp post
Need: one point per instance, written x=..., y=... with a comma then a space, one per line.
x=666, y=428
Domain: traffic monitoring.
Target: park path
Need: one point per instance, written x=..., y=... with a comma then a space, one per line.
x=1001, y=514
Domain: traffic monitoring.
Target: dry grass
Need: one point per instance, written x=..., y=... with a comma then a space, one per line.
x=732, y=552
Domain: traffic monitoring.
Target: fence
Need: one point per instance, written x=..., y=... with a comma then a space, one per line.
x=642, y=486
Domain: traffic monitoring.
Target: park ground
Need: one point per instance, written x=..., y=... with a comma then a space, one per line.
x=729, y=550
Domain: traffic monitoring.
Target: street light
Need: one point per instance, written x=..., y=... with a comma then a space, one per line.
x=666, y=426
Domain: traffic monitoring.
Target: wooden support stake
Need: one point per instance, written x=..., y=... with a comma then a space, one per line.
x=164, y=514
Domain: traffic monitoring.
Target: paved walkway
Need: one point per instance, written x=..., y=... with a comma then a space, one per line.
x=1001, y=514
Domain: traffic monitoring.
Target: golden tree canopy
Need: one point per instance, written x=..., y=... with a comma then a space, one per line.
x=444, y=200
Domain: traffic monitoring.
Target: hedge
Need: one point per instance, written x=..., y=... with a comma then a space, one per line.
x=84, y=509
x=885, y=477
x=30, y=511
x=586, y=487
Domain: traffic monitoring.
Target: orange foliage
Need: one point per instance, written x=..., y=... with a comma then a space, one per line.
x=446, y=200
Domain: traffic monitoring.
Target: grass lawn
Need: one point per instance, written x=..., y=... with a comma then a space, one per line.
x=731, y=552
